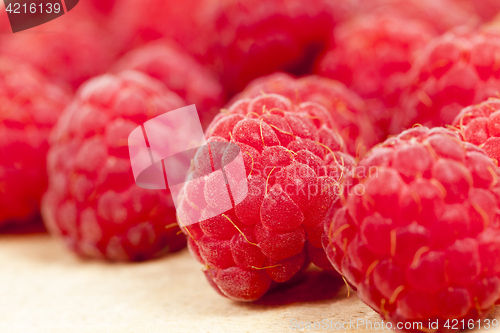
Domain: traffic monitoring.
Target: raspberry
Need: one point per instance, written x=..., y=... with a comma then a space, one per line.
x=93, y=203
x=73, y=51
x=270, y=234
x=442, y=15
x=345, y=108
x=180, y=73
x=486, y=9
x=418, y=233
x=4, y=20
x=246, y=39
x=480, y=125
x=30, y=106
x=150, y=20
x=371, y=53
x=456, y=70
x=101, y=7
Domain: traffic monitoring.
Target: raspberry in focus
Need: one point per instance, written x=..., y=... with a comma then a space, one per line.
x=293, y=162
x=480, y=125
x=93, y=203
x=346, y=108
x=418, y=234
x=30, y=105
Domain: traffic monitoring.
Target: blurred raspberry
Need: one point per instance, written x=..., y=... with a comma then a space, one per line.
x=71, y=48
x=480, y=125
x=29, y=107
x=293, y=161
x=93, y=203
x=180, y=73
x=371, y=53
x=4, y=20
x=100, y=6
x=456, y=70
x=251, y=38
x=135, y=22
x=345, y=107
x=486, y=9
x=491, y=27
x=418, y=234
x=442, y=14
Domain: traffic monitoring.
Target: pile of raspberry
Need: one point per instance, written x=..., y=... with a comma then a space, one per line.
x=92, y=202
x=347, y=109
x=294, y=161
x=30, y=105
x=418, y=233
x=412, y=223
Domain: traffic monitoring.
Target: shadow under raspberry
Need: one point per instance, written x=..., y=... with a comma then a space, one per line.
x=30, y=226
x=314, y=286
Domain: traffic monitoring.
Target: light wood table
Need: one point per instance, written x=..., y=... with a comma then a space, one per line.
x=43, y=288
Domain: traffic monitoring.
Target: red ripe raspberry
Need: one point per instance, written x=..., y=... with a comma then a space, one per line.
x=251, y=38
x=371, y=53
x=455, y=71
x=4, y=20
x=135, y=22
x=92, y=202
x=346, y=108
x=419, y=234
x=442, y=15
x=101, y=7
x=486, y=9
x=180, y=73
x=293, y=162
x=67, y=49
x=29, y=107
x=480, y=125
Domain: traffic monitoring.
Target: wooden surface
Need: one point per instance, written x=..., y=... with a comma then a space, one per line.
x=43, y=288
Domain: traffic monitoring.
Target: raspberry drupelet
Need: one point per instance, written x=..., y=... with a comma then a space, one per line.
x=30, y=105
x=480, y=125
x=93, y=203
x=455, y=70
x=418, y=233
x=347, y=109
x=293, y=161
